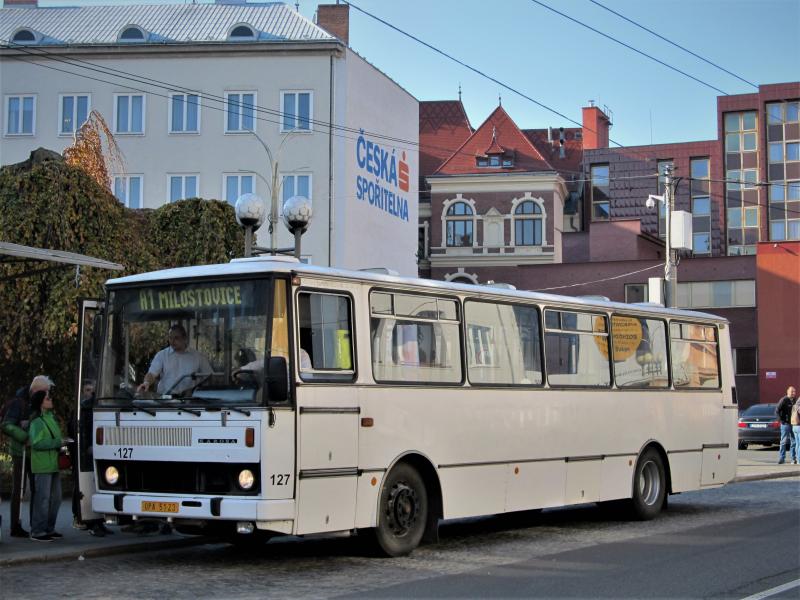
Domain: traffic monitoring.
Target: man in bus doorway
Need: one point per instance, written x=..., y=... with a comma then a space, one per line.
x=784, y=413
x=175, y=365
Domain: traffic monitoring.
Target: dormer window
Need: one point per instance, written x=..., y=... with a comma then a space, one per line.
x=24, y=36
x=495, y=160
x=242, y=32
x=132, y=34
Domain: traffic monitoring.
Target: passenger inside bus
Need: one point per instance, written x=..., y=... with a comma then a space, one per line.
x=177, y=367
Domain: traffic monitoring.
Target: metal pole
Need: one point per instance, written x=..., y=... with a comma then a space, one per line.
x=297, y=235
x=273, y=211
x=670, y=268
x=248, y=241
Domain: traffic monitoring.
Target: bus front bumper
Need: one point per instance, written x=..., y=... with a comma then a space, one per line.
x=276, y=515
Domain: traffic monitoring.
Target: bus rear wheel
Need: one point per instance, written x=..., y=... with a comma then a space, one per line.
x=649, y=486
x=402, y=512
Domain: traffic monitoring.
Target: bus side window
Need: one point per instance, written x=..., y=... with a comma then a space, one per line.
x=325, y=336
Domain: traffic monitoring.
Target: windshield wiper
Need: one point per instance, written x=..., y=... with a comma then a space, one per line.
x=242, y=411
x=138, y=405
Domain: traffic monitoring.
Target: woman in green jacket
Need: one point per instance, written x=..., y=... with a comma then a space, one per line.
x=46, y=441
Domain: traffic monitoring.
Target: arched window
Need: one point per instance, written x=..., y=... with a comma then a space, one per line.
x=242, y=32
x=24, y=36
x=528, y=224
x=132, y=34
x=459, y=225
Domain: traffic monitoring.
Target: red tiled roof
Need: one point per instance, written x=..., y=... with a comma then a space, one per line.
x=443, y=127
x=495, y=148
x=573, y=148
x=508, y=135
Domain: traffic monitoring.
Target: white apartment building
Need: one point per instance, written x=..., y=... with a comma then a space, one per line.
x=193, y=93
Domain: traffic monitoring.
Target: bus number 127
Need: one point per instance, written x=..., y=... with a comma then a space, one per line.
x=279, y=479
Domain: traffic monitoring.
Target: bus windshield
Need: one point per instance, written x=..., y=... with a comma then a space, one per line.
x=201, y=344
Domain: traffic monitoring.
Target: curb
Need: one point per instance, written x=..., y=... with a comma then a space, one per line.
x=68, y=554
x=744, y=478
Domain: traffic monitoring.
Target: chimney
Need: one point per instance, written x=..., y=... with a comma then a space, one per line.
x=335, y=19
x=20, y=3
x=595, y=128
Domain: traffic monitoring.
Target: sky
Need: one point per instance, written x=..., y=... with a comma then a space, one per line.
x=563, y=65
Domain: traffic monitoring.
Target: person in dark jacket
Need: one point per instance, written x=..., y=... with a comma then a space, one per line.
x=46, y=440
x=15, y=427
x=784, y=413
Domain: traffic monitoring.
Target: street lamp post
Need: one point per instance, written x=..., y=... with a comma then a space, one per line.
x=297, y=214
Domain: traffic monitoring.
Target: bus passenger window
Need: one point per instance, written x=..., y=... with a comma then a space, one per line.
x=503, y=344
x=576, y=349
x=325, y=336
x=695, y=362
x=639, y=348
x=414, y=339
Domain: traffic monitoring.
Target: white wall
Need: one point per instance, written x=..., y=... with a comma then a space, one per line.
x=374, y=103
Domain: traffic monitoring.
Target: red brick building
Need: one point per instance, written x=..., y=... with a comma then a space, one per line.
x=557, y=209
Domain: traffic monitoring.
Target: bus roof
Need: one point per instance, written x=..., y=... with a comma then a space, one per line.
x=282, y=264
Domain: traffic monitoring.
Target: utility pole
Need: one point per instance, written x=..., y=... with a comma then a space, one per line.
x=670, y=266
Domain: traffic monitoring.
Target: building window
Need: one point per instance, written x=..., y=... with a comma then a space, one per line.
x=73, y=112
x=783, y=141
x=24, y=36
x=240, y=112
x=132, y=34
x=459, y=225
x=236, y=185
x=661, y=206
x=182, y=186
x=601, y=207
x=129, y=113
x=296, y=107
x=128, y=190
x=20, y=115
x=528, y=224
x=635, y=292
x=295, y=185
x=741, y=191
x=701, y=206
x=184, y=114
x=746, y=361
x=717, y=294
x=242, y=32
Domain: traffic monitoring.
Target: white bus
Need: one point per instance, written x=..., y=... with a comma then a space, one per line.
x=342, y=402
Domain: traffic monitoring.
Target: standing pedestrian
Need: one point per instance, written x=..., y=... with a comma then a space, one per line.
x=784, y=413
x=46, y=441
x=15, y=426
x=795, y=421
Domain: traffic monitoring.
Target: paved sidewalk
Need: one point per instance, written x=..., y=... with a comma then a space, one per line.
x=79, y=545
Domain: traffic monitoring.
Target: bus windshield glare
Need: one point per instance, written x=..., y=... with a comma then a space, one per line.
x=200, y=344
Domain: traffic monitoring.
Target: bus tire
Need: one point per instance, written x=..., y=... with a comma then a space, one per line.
x=649, y=486
x=402, y=512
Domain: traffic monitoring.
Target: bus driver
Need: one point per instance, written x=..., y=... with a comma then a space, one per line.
x=175, y=365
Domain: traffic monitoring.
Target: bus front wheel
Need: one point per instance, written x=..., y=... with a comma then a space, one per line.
x=649, y=486
x=402, y=511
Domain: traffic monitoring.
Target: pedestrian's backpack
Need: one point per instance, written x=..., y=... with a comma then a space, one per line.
x=795, y=419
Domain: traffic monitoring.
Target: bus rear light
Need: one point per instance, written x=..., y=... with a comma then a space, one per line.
x=250, y=437
x=98, y=436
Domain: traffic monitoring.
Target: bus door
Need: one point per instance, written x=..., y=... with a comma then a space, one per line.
x=328, y=408
x=90, y=318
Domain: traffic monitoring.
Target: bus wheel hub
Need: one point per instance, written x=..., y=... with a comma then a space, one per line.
x=402, y=509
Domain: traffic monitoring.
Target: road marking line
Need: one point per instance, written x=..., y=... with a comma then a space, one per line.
x=773, y=591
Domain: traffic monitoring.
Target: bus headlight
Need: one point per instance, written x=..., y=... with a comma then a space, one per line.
x=246, y=479
x=112, y=475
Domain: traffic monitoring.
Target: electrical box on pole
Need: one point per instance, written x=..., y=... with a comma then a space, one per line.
x=681, y=238
x=655, y=290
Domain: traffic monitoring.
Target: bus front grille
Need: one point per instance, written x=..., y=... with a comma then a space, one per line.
x=178, y=477
x=148, y=436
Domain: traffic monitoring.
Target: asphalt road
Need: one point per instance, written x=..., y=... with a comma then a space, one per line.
x=731, y=542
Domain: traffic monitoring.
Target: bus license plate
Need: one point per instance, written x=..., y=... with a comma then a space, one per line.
x=758, y=425
x=159, y=507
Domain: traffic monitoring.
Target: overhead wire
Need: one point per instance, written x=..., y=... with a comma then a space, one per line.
x=669, y=41
x=621, y=43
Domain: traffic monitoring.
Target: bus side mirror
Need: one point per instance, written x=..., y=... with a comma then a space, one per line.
x=278, y=379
